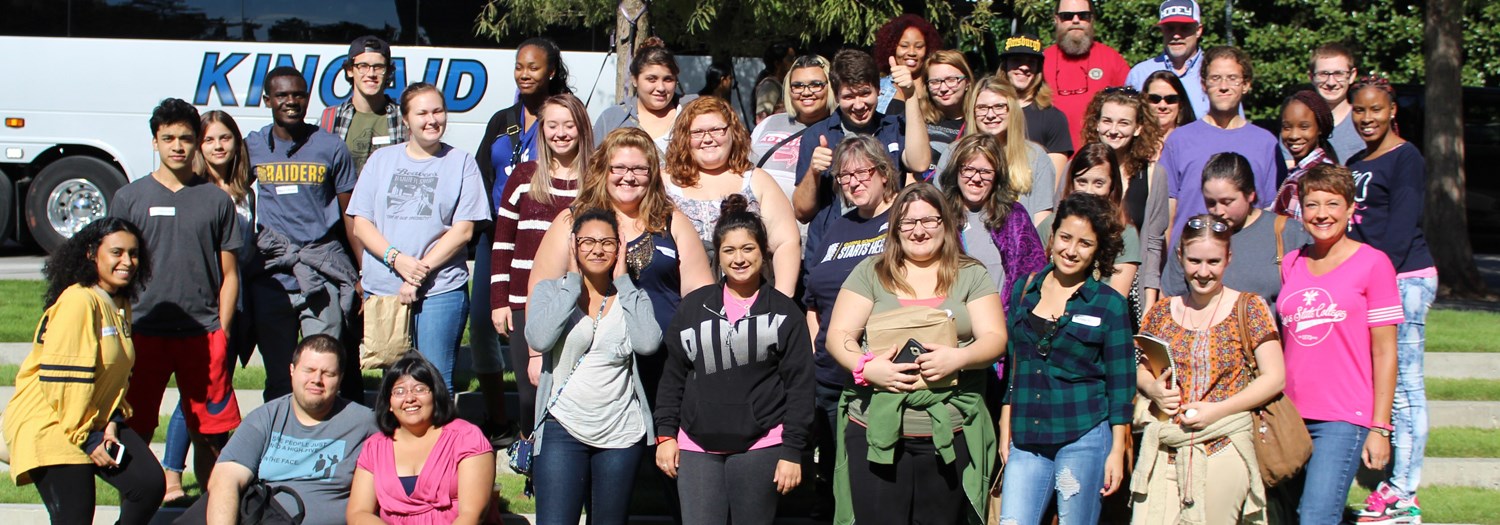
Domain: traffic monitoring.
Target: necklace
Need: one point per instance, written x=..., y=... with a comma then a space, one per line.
x=1187, y=314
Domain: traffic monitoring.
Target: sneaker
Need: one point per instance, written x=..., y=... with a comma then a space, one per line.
x=1384, y=507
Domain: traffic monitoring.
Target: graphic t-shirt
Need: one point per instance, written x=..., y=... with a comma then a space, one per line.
x=1188, y=150
x=299, y=183
x=186, y=229
x=367, y=131
x=1388, y=200
x=315, y=461
x=847, y=241
x=782, y=164
x=413, y=202
x=1325, y=326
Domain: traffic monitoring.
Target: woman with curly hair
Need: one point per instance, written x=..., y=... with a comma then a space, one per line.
x=708, y=160
x=1068, y=403
x=65, y=423
x=908, y=39
x=1120, y=118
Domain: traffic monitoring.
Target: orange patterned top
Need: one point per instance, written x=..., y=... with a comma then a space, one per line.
x=1211, y=363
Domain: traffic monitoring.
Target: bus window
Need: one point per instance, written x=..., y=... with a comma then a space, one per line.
x=301, y=21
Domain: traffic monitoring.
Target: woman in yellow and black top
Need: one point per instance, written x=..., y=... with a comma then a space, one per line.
x=63, y=426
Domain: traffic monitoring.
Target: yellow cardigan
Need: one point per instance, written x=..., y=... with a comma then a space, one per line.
x=70, y=384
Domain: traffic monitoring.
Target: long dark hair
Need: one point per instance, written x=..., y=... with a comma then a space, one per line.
x=417, y=367
x=76, y=261
x=1185, y=112
x=558, y=83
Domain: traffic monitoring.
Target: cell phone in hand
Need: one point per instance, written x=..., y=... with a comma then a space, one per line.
x=909, y=352
x=116, y=451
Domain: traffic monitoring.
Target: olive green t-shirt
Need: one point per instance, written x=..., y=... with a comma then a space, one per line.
x=363, y=129
x=973, y=283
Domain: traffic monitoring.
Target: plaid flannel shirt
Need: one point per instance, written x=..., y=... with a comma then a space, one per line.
x=1088, y=375
x=336, y=120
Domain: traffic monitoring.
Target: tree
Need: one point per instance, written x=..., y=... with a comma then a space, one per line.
x=1444, y=148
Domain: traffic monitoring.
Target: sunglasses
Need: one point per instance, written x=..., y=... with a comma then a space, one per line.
x=1215, y=225
x=1157, y=99
x=1082, y=16
x=1121, y=89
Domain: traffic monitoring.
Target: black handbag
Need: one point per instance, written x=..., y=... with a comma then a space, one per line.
x=258, y=505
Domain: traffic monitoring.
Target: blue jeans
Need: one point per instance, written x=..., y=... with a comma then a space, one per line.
x=175, y=456
x=570, y=475
x=1335, y=458
x=1409, y=413
x=1074, y=471
x=437, y=326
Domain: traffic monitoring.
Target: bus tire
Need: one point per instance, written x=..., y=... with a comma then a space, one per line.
x=67, y=195
x=7, y=207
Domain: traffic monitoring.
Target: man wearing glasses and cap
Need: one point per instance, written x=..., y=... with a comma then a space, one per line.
x=370, y=119
x=1076, y=66
x=1181, y=25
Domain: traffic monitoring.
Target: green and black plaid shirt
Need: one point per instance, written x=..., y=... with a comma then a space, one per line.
x=1087, y=375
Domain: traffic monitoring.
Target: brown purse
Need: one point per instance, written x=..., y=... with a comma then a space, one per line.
x=1282, y=444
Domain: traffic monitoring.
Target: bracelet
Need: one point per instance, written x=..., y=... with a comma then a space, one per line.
x=390, y=255
x=859, y=369
x=664, y=439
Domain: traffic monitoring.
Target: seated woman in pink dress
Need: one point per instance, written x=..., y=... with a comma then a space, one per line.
x=425, y=465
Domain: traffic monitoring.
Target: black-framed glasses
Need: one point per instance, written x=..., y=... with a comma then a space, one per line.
x=979, y=174
x=856, y=175
x=1216, y=225
x=930, y=222
x=1336, y=76
x=814, y=87
x=991, y=109
x=1157, y=99
x=718, y=133
x=362, y=68
x=607, y=244
x=639, y=171
x=948, y=82
x=1082, y=16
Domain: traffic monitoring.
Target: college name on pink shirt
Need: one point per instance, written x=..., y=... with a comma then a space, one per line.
x=1325, y=327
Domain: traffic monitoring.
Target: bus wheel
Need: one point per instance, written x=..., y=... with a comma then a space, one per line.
x=7, y=207
x=67, y=195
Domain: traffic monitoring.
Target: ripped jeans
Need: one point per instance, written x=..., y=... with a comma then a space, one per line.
x=1073, y=471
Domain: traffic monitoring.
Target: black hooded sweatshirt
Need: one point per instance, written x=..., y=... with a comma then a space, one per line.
x=727, y=385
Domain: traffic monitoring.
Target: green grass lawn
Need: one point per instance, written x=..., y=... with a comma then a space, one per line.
x=1462, y=390
x=20, y=309
x=1463, y=331
x=1463, y=443
x=1447, y=504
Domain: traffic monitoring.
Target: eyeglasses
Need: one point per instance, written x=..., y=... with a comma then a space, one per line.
x=856, y=175
x=979, y=174
x=930, y=222
x=1157, y=99
x=362, y=68
x=1336, y=76
x=813, y=87
x=1216, y=225
x=949, y=82
x=419, y=390
x=1061, y=91
x=639, y=171
x=718, y=133
x=1082, y=16
x=605, y=244
x=991, y=109
x=1229, y=80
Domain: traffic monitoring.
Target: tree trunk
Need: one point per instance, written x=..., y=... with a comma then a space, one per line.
x=1446, y=221
x=629, y=34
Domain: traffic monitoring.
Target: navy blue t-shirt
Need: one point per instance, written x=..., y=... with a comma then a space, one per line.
x=299, y=185
x=1389, y=192
x=846, y=242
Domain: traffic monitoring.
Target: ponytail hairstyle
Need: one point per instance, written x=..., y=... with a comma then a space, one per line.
x=734, y=214
x=653, y=52
x=1234, y=168
x=557, y=84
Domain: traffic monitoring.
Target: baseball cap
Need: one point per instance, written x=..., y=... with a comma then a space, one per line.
x=369, y=44
x=1022, y=44
x=1173, y=11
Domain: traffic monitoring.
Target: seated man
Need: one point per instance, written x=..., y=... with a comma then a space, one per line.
x=307, y=441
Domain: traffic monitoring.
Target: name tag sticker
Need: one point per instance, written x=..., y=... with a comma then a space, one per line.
x=163, y=211
x=287, y=189
x=381, y=141
x=893, y=147
x=667, y=251
x=108, y=331
x=1086, y=320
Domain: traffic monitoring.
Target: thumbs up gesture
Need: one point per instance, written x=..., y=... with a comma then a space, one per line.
x=822, y=156
x=902, y=77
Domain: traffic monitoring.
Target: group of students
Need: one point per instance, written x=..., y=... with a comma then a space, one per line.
x=727, y=297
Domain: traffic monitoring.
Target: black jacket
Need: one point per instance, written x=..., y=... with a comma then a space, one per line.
x=727, y=385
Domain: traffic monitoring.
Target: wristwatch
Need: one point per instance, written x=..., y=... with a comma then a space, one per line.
x=1383, y=429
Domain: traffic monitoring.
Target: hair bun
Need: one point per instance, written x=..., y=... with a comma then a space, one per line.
x=651, y=42
x=734, y=203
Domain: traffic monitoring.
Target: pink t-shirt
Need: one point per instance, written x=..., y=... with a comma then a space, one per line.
x=734, y=309
x=435, y=498
x=1325, y=325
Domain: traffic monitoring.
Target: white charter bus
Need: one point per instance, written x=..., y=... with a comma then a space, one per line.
x=79, y=78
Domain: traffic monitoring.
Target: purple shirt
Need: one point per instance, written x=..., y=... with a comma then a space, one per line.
x=1188, y=150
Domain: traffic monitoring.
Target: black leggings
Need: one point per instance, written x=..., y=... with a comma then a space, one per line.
x=68, y=490
x=918, y=488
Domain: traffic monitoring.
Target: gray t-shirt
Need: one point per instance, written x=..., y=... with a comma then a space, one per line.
x=317, y=462
x=299, y=184
x=1043, y=179
x=413, y=203
x=979, y=245
x=782, y=165
x=1345, y=140
x=1252, y=268
x=185, y=230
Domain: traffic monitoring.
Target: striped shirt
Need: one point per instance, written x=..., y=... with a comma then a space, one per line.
x=520, y=223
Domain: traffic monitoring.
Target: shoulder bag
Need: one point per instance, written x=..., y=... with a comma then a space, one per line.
x=1282, y=444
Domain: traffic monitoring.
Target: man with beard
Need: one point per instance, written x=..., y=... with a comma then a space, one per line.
x=1077, y=67
x=1181, y=29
